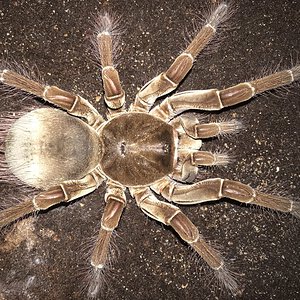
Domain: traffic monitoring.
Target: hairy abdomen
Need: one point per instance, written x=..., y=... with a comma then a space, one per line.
x=47, y=146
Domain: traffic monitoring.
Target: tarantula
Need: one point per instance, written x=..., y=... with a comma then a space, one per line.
x=149, y=150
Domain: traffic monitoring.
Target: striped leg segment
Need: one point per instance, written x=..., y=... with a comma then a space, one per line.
x=169, y=80
x=65, y=192
x=114, y=94
x=189, y=161
x=171, y=215
x=198, y=130
x=115, y=202
x=216, y=188
x=213, y=99
x=73, y=104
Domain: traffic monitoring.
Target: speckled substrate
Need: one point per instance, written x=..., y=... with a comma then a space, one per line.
x=153, y=263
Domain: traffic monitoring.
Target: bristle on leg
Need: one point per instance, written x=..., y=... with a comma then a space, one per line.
x=218, y=16
x=106, y=38
x=13, y=213
x=214, y=259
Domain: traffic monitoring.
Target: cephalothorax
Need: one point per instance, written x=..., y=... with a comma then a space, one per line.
x=148, y=149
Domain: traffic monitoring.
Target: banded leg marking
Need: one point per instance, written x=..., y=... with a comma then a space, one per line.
x=114, y=93
x=216, y=188
x=115, y=202
x=65, y=192
x=169, y=80
x=171, y=215
x=73, y=104
x=198, y=130
x=214, y=99
x=189, y=161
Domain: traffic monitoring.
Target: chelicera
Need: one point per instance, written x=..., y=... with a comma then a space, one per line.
x=150, y=150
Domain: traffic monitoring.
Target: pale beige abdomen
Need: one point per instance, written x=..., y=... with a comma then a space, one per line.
x=47, y=146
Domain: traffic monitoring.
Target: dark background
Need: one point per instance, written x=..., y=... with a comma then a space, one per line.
x=153, y=263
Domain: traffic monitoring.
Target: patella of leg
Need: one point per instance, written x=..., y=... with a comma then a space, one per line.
x=114, y=94
x=73, y=104
x=115, y=202
x=171, y=215
x=66, y=191
x=216, y=188
x=169, y=80
x=214, y=99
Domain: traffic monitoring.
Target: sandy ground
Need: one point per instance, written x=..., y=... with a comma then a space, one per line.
x=48, y=258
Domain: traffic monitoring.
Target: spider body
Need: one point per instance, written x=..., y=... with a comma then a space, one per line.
x=132, y=149
x=149, y=150
x=138, y=149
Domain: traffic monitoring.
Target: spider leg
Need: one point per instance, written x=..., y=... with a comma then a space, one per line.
x=217, y=99
x=171, y=215
x=73, y=104
x=189, y=157
x=115, y=202
x=169, y=80
x=189, y=161
x=216, y=188
x=65, y=192
x=192, y=127
x=114, y=94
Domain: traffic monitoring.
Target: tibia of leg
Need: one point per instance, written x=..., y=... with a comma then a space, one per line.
x=169, y=80
x=115, y=203
x=244, y=91
x=189, y=233
x=172, y=215
x=186, y=194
